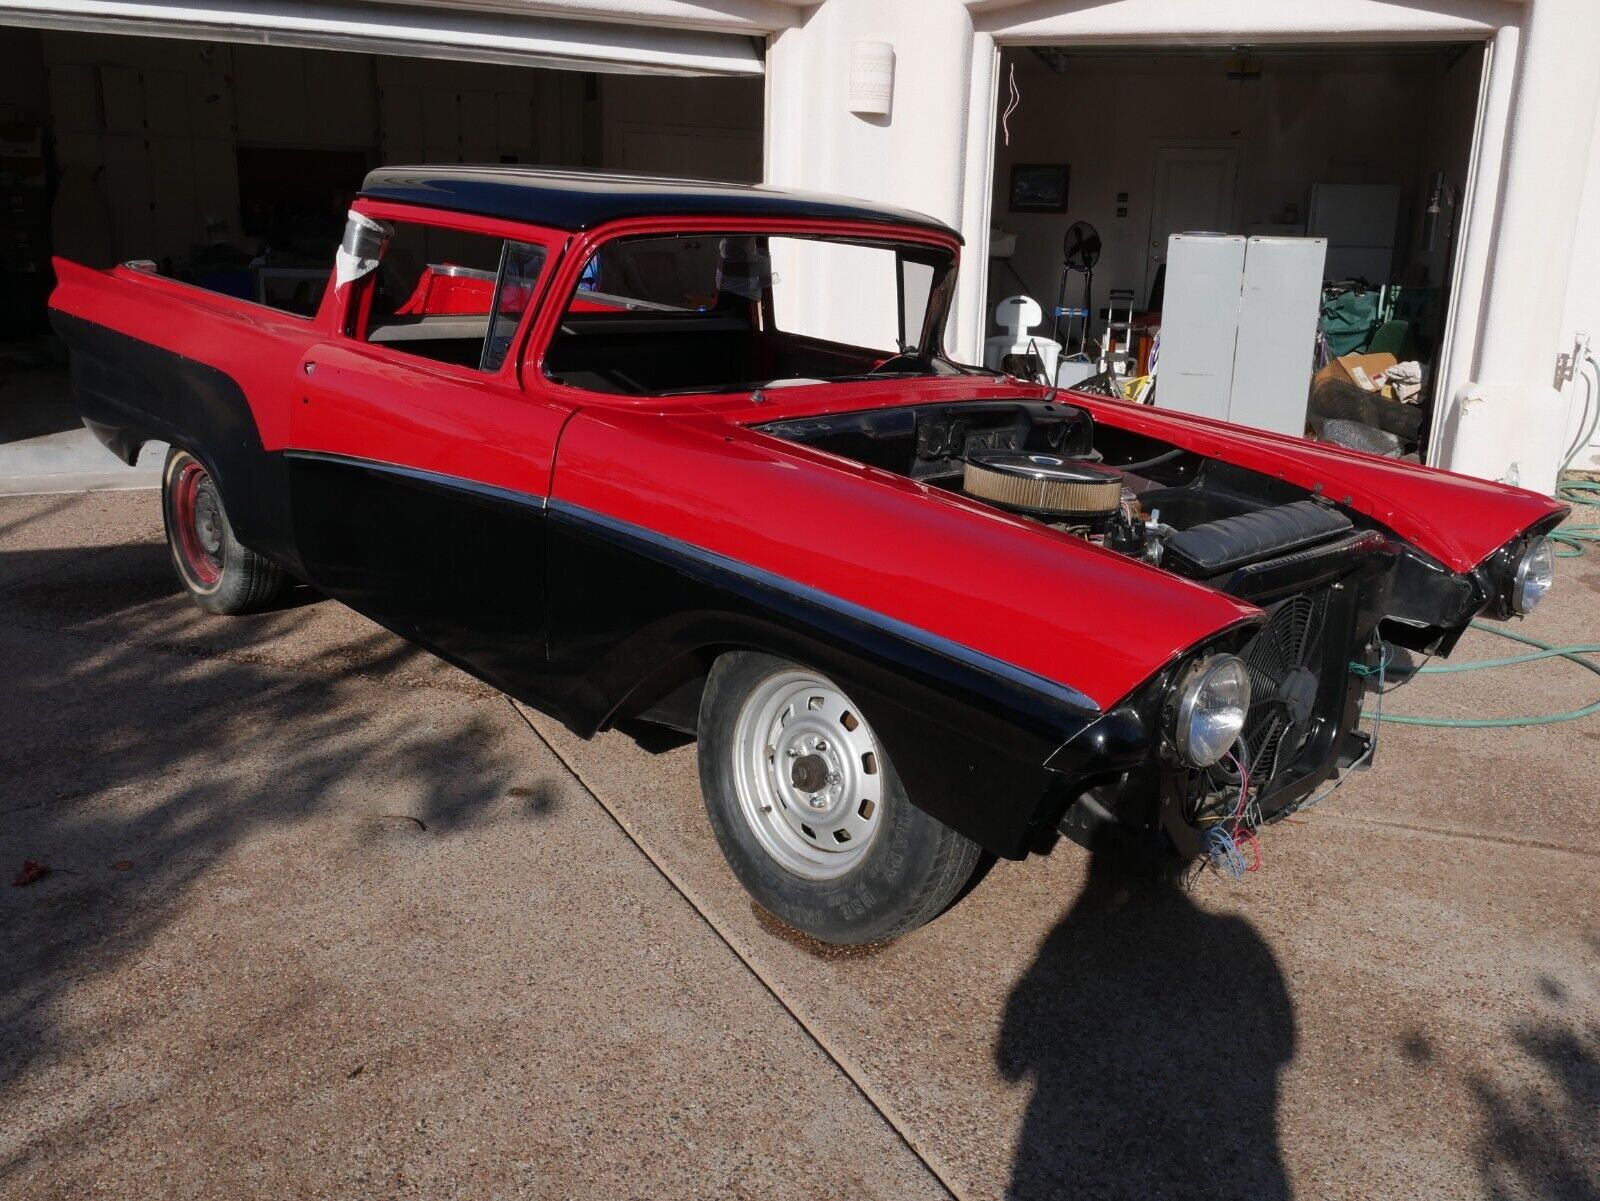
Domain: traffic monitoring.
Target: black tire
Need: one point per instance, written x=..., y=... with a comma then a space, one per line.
x=220, y=574
x=907, y=873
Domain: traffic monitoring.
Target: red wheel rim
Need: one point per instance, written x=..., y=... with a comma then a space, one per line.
x=197, y=517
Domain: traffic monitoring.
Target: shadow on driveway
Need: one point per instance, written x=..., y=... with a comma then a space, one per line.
x=1542, y=1136
x=1154, y=1035
x=135, y=758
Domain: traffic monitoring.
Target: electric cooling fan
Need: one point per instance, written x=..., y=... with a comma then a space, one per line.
x=1285, y=665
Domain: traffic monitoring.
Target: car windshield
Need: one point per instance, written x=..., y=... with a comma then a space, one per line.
x=659, y=315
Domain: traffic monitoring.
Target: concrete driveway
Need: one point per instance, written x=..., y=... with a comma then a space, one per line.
x=328, y=918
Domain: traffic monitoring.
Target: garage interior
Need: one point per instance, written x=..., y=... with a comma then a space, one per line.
x=1366, y=147
x=206, y=157
x=232, y=165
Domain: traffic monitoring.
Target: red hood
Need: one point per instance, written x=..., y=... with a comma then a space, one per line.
x=1017, y=591
x=1457, y=519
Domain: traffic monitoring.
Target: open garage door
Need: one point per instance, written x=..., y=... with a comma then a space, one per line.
x=230, y=163
x=452, y=32
x=1263, y=234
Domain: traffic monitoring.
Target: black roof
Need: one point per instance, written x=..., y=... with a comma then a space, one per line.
x=584, y=199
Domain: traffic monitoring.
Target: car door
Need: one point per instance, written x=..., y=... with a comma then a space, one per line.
x=419, y=469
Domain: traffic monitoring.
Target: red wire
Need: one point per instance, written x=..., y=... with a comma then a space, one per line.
x=1243, y=836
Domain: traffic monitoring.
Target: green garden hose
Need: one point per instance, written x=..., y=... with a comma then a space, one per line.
x=1571, y=541
x=1545, y=651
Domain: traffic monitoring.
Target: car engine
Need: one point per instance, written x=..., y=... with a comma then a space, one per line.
x=1049, y=462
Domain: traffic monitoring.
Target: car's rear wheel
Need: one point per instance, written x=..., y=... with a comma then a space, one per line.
x=220, y=574
x=809, y=811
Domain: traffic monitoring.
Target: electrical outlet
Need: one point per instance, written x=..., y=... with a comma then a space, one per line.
x=1568, y=361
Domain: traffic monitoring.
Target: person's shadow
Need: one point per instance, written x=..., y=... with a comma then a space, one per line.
x=1154, y=1034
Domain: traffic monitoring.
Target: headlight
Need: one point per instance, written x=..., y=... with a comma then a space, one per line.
x=1213, y=699
x=1536, y=571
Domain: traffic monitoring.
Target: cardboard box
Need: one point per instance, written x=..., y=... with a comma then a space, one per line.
x=1360, y=370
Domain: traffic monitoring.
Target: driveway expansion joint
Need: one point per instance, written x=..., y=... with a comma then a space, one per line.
x=1533, y=844
x=838, y=1058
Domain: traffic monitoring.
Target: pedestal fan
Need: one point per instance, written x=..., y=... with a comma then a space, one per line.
x=1080, y=251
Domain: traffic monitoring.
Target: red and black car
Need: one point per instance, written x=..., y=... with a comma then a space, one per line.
x=693, y=453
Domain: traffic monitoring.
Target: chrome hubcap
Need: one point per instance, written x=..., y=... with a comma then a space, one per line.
x=807, y=771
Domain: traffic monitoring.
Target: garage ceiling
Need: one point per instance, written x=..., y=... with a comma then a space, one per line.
x=450, y=33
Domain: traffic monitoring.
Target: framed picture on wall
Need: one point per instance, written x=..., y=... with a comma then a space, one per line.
x=1039, y=187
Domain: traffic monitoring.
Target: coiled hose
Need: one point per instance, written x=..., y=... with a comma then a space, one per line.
x=1545, y=651
x=1570, y=543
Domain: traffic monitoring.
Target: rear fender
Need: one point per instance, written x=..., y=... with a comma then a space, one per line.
x=130, y=392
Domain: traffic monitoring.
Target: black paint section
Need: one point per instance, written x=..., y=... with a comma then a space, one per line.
x=582, y=200
x=633, y=618
x=130, y=392
x=454, y=566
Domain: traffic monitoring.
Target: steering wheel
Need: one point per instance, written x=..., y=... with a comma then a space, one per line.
x=911, y=360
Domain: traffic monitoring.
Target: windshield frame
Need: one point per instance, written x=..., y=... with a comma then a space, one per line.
x=564, y=286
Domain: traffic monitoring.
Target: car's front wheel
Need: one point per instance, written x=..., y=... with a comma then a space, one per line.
x=220, y=573
x=809, y=811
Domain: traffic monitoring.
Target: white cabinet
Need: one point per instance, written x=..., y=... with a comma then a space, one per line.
x=1239, y=327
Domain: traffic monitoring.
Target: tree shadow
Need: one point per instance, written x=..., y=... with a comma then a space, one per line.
x=1541, y=1138
x=1154, y=1034
x=136, y=755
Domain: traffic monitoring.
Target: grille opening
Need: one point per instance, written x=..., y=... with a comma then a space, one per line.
x=1285, y=662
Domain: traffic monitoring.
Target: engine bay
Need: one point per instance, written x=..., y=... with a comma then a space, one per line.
x=1046, y=461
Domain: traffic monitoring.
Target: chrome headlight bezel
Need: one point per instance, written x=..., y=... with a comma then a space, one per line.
x=1195, y=701
x=1533, y=578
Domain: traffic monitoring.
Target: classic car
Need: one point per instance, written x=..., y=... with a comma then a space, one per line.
x=693, y=453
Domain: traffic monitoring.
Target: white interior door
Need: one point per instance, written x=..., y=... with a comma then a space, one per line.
x=1193, y=193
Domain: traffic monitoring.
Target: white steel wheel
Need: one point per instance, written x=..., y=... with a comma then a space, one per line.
x=806, y=771
x=809, y=811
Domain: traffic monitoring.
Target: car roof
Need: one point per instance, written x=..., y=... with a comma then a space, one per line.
x=584, y=199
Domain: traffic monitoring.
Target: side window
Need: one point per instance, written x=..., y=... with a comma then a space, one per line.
x=671, y=275
x=916, y=291
x=520, y=265
x=442, y=294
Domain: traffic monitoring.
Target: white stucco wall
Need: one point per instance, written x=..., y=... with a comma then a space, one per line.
x=1583, y=306
x=916, y=156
